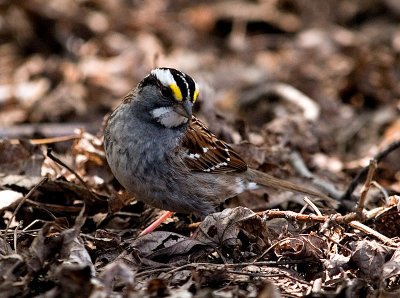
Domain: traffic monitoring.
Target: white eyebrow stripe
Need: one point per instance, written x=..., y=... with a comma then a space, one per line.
x=164, y=76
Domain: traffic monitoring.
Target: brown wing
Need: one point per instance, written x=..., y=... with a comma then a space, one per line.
x=206, y=153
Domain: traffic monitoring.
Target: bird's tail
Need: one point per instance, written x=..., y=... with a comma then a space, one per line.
x=265, y=179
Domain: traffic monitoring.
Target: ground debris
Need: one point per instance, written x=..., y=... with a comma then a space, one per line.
x=304, y=90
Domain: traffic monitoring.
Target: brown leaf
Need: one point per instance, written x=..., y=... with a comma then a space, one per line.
x=238, y=229
x=72, y=280
x=167, y=247
x=55, y=243
x=301, y=247
x=157, y=288
x=369, y=257
x=12, y=275
x=47, y=245
x=20, y=159
x=269, y=290
x=391, y=275
x=62, y=196
x=116, y=273
x=388, y=222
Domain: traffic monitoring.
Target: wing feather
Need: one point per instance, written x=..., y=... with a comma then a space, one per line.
x=206, y=153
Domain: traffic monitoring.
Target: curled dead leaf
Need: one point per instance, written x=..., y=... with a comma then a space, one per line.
x=237, y=230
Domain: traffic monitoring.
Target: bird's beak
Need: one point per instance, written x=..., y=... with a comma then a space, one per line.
x=184, y=109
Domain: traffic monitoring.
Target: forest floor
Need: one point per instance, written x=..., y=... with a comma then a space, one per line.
x=307, y=91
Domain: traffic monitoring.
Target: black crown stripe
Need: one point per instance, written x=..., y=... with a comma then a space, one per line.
x=181, y=82
x=192, y=87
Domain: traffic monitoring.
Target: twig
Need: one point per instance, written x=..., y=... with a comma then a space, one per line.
x=49, y=129
x=57, y=160
x=369, y=231
x=349, y=251
x=16, y=236
x=296, y=216
x=80, y=219
x=267, y=251
x=171, y=269
x=17, y=209
x=382, y=190
x=31, y=224
x=312, y=218
x=365, y=188
x=349, y=219
x=48, y=140
x=268, y=275
x=312, y=205
x=378, y=211
x=56, y=208
x=152, y=271
x=378, y=157
x=63, y=164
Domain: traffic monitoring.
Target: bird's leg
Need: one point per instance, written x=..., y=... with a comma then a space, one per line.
x=156, y=223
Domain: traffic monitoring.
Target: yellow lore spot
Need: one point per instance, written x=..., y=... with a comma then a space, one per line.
x=176, y=91
x=195, y=94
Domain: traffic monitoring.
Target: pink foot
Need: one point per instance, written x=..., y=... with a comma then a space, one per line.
x=156, y=223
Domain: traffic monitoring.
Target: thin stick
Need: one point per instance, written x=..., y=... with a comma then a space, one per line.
x=364, y=190
x=52, y=157
x=17, y=209
x=172, y=269
x=312, y=205
x=378, y=157
x=367, y=230
x=63, y=164
x=268, y=275
x=31, y=224
x=382, y=190
x=350, y=219
x=15, y=236
x=48, y=140
x=54, y=208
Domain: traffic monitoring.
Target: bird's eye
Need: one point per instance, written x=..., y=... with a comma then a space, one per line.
x=166, y=91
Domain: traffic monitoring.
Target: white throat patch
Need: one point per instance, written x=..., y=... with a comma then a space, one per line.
x=168, y=117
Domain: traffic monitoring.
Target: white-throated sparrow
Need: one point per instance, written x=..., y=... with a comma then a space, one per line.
x=167, y=158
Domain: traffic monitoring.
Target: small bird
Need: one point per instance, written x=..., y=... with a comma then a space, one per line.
x=167, y=158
